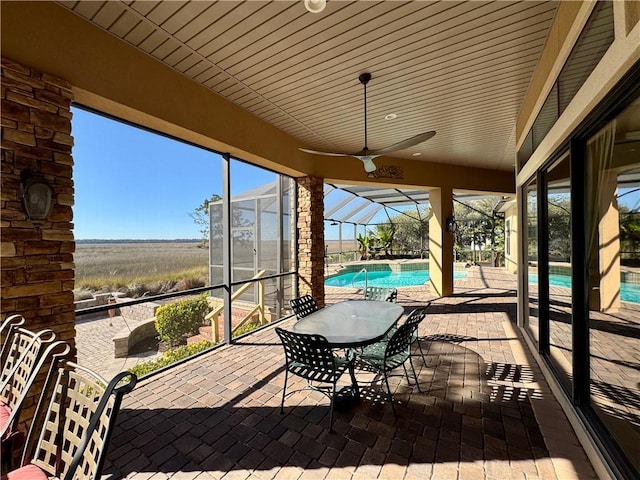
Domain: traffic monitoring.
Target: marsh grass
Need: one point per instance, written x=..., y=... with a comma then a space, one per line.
x=140, y=267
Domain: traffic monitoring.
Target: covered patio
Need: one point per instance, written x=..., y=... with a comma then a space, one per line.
x=485, y=411
x=520, y=94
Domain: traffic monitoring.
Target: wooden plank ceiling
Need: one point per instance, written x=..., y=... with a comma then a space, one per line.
x=460, y=68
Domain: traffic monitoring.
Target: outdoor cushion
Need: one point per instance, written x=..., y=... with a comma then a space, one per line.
x=5, y=413
x=28, y=472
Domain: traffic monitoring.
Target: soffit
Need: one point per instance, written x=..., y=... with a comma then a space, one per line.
x=460, y=68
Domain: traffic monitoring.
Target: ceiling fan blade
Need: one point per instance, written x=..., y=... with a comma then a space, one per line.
x=409, y=142
x=369, y=166
x=331, y=154
x=365, y=158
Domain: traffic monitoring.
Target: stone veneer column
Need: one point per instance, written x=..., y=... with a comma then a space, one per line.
x=311, y=237
x=37, y=259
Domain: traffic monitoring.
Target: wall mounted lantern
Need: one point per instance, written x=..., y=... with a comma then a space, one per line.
x=37, y=198
x=451, y=225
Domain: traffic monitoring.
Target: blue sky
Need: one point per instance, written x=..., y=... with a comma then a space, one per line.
x=133, y=184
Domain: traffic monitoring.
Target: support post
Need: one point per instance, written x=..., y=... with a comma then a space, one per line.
x=311, y=238
x=440, y=242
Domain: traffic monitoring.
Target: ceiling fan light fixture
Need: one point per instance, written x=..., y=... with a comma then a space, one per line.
x=315, y=6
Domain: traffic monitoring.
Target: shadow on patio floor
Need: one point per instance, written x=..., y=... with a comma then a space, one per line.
x=218, y=416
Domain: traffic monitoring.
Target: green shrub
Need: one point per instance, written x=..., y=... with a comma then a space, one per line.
x=178, y=320
x=246, y=328
x=171, y=356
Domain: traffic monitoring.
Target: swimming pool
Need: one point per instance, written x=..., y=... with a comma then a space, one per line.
x=629, y=292
x=385, y=278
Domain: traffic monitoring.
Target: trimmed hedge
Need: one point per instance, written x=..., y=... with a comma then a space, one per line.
x=179, y=320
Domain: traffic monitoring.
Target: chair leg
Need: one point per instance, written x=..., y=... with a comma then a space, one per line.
x=354, y=382
x=284, y=390
x=414, y=374
x=393, y=408
x=424, y=360
x=333, y=396
x=406, y=374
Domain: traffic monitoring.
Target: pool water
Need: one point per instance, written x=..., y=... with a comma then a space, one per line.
x=629, y=292
x=386, y=278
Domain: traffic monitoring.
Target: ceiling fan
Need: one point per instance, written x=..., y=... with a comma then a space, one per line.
x=366, y=155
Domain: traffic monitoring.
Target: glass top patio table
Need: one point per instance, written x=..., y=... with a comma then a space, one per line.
x=353, y=323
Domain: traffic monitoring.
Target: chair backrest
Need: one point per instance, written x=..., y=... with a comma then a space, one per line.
x=74, y=419
x=307, y=350
x=303, y=306
x=416, y=316
x=401, y=340
x=23, y=355
x=381, y=294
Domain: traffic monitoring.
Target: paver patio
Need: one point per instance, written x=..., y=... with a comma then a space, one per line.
x=485, y=411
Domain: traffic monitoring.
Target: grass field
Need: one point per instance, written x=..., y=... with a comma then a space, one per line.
x=112, y=266
x=120, y=264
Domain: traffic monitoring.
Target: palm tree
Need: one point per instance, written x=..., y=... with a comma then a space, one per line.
x=363, y=246
x=386, y=239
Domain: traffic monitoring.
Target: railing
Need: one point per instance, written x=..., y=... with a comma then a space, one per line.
x=214, y=315
x=336, y=258
x=366, y=278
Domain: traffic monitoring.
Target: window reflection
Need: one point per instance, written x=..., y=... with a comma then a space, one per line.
x=558, y=208
x=613, y=202
x=532, y=259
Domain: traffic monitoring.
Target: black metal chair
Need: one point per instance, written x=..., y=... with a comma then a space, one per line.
x=309, y=357
x=388, y=355
x=70, y=432
x=22, y=357
x=415, y=318
x=381, y=294
x=303, y=306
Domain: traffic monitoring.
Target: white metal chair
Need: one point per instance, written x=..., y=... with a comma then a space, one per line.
x=23, y=356
x=70, y=432
x=381, y=294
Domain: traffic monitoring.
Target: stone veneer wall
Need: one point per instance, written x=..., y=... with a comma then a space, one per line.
x=37, y=268
x=311, y=237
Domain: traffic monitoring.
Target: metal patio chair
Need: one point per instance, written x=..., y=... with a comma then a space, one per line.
x=23, y=355
x=388, y=355
x=309, y=357
x=381, y=294
x=70, y=432
x=415, y=318
x=303, y=306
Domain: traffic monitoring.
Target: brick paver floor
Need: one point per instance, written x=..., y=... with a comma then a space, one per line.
x=485, y=411
x=94, y=341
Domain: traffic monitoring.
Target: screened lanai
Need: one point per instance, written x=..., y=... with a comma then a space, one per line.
x=354, y=211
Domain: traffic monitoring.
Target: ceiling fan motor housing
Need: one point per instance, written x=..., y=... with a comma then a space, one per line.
x=364, y=78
